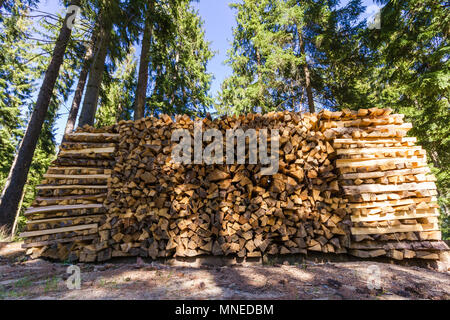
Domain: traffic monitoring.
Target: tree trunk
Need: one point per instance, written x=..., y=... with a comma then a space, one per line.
x=308, y=88
x=172, y=99
x=260, y=93
x=16, y=218
x=12, y=193
x=80, y=86
x=141, y=90
x=90, y=102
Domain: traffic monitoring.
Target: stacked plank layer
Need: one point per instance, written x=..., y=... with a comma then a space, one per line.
x=68, y=209
x=385, y=178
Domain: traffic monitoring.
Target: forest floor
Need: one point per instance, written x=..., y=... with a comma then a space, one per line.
x=23, y=278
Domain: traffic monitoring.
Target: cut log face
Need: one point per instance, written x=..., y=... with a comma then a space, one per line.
x=348, y=181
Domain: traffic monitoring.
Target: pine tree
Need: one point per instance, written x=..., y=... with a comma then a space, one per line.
x=117, y=97
x=179, y=54
x=86, y=63
x=12, y=192
x=103, y=42
x=141, y=91
x=411, y=75
x=16, y=86
x=284, y=52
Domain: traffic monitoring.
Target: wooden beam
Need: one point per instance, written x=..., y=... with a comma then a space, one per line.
x=383, y=230
x=391, y=216
x=377, y=150
x=75, y=176
x=93, y=134
x=64, y=218
x=355, y=163
x=420, y=157
x=71, y=186
x=406, y=125
x=376, y=188
x=381, y=174
x=391, y=203
x=371, y=158
x=33, y=210
x=87, y=150
x=375, y=140
x=57, y=230
x=78, y=197
x=77, y=168
x=368, y=122
x=396, y=210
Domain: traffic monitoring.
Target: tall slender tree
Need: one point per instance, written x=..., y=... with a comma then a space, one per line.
x=16, y=85
x=118, y=93
x=306, y=72
x=409, y=72
x=141, y=91
x=12, y=193
x=92, y=93
x=179, y=55
x=87, y=61
x=282, y=50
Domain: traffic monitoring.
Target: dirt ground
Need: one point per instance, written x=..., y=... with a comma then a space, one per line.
x=22, y=278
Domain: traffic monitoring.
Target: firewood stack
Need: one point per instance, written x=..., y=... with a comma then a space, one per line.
x=385, y=178
x=348, y=181
x=161, y=209
x=69, y=206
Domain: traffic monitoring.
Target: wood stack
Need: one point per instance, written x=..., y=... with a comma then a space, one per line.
x=391, y=195
x=348, y=181
x=161, y=209
x=69, y=205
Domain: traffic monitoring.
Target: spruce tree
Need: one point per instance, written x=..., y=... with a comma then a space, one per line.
x=411, y=75
x=285, y=52
x=12, y=192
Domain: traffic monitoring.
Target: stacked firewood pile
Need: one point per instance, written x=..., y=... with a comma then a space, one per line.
x=65, y=215
x=158, y=208
x=391, y=193
x=348, y=181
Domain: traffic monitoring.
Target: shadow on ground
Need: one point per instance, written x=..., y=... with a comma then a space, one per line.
x=135, y=278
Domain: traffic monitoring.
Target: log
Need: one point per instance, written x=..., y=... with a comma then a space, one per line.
x=376, y=188
x=402, y=228
x=74, y=186
x=32, y=210
x=58, y=230
x=74, y=176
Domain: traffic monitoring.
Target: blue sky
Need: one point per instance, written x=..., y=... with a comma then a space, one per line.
x=218, y=20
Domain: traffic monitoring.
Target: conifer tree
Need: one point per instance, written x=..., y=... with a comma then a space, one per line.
x=13, y=189
x=284, y=52
x=410, y=73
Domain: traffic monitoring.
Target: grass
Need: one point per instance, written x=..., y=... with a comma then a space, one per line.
x=51, y=284
x=12, y=294
x=108, y=284
x=18, y=290
x=23, y=283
